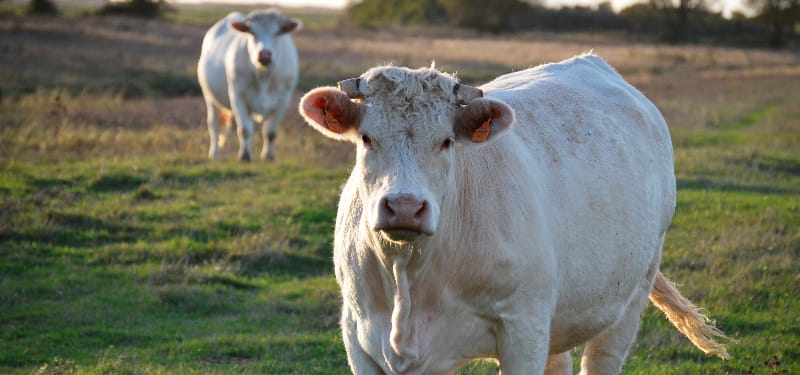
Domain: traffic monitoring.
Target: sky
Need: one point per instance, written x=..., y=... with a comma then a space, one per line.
x=727, y=6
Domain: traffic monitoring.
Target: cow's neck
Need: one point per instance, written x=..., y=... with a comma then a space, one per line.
x=263, y=73
x=401, y=337
x=403, y=266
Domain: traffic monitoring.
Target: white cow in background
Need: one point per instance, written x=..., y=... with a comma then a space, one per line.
x=460, y=236
x=248, y=66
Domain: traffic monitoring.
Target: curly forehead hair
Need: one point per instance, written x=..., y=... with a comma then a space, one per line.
x=403, y=84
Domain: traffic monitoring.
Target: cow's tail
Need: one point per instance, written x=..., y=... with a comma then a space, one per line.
x=226, y=119
x=687, y=318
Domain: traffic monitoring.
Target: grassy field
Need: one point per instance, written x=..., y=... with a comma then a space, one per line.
x=124, y=251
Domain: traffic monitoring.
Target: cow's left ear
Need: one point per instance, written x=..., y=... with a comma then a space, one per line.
x=241, y=26
x=482, y=119
x=289, y=25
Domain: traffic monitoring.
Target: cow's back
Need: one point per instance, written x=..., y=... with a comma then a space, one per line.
x=582, y=122
x=591, y=163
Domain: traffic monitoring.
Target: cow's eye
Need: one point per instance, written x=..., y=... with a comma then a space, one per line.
x=446, y=144
x=366, y=140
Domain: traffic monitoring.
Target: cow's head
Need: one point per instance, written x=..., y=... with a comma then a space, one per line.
x=405, y=124
x=263, y=28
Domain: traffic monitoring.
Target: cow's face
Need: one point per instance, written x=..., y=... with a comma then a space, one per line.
x=263, y=28
x=405, y=143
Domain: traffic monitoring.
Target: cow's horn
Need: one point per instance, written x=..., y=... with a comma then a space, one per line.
x=465, y=93
x=351, y=87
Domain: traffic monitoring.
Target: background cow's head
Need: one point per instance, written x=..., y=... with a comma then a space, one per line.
x=262, y=28
x=406, y=124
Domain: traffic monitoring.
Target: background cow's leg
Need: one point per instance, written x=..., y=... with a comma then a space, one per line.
x=213, y=114
x=360, y=362
x=559, y=364
x=244, y=128
x=270, y=130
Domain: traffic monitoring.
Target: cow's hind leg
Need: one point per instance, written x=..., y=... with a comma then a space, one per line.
x=559, y=364
x=605, y=354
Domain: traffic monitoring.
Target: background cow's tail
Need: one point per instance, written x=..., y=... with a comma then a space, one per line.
x=687, y=317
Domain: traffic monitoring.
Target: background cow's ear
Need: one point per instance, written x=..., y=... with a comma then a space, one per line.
x=482, y=119
x=290, y=25
x=331, y=112
x=242, y=26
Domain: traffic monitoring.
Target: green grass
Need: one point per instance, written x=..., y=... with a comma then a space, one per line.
x=218, y=263
x=157, y=265
x=124, y=251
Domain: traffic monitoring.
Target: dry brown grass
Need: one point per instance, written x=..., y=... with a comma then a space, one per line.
x=71, y=52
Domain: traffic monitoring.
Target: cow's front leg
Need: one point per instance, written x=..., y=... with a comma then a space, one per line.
x=523, y=343
x=270, y=131
x=360, y=362
x=244, y=128
x=559, y=364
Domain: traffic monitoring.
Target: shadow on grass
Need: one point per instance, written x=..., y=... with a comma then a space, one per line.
x=289, y=263
x=77, y=230
x=707, y=184
x=193, y=177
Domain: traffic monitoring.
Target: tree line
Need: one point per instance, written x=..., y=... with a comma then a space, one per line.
x=773, y=23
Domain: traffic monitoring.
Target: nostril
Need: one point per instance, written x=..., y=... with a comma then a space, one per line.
x=387, y=206
x=423, y=211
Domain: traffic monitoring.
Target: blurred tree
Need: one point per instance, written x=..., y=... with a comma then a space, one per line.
x=643, y=18
x=498, y=15
x=138, y=8
x=677, y=17
x=42, y=7
x=373, y=13
x=780, y=15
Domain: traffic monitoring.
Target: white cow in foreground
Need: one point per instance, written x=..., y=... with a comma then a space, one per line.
x=461, y=236
x=248, y=66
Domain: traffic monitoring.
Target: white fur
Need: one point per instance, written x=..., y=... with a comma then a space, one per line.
x=232, y=79
x=546, y=237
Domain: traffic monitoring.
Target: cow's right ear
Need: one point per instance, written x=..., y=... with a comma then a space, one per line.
x=331, y=112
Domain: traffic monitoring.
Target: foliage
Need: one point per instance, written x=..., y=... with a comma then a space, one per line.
x=678, y=17
x=42, y=7
x=781, y=16
x=501, y=15
x=691, y=24
x=674, y=21
x=374, y=13
x=136, y=8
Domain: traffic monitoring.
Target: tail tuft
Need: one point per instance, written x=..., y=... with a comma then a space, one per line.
x=688, y=318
